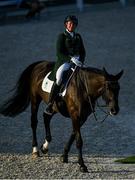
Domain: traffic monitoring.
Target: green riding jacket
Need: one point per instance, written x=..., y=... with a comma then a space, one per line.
x=66, y=47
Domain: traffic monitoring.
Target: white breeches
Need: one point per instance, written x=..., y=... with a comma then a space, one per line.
x=60, y=71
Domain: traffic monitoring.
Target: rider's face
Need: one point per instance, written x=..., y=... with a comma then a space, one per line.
x=70, y=26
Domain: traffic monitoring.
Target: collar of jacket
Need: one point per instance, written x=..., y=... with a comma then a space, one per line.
x=67, y=33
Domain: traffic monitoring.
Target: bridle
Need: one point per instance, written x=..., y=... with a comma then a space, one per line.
x=99, y=106
x=101, y=109
x=90, y=101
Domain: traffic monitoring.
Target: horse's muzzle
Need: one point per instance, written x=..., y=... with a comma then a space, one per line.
x=114, y=111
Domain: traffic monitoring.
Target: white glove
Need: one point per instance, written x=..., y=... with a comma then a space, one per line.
x=75, y=60
x=75, y=57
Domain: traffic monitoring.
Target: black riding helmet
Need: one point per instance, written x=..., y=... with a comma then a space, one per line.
x=71, y=18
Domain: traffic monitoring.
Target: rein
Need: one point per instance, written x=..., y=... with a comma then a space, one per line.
x=95, y=116
x=93, y=111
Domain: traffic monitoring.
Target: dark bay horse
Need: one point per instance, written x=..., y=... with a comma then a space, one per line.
x=86, y=84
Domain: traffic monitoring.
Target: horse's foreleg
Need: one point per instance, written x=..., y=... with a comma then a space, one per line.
x=79, y=145
x=34, y=122
x=77, y=123
x=64, y=157
x=47, y=119
x=67, y=147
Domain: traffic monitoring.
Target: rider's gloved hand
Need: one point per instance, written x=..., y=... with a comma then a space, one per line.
x=75, y=60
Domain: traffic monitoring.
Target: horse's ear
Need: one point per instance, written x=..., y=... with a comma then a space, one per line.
x=118, y=76
x=105, y=72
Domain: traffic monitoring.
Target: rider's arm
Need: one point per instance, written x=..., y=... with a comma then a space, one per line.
x=82, y=50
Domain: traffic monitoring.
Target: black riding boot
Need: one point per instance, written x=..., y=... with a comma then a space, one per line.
x=53, y=95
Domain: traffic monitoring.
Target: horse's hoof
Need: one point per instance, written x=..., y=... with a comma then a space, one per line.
x=84, y=169
x=35, y=155
x=64, y=159
x=44, y=151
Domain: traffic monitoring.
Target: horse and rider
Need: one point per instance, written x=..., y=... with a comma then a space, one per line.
x=85, y=87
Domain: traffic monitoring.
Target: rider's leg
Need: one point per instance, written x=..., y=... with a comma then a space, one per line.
x=56, y=87
x=53, y=95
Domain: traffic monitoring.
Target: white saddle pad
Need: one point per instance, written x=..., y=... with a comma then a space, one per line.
x=47, y=84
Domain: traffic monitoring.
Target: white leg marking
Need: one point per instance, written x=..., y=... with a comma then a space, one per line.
x=46, y=144
x=35, y=149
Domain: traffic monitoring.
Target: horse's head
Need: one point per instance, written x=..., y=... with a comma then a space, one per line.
x=111, y=91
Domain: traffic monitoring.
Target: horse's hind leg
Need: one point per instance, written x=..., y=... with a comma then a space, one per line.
x=34, y=110
x=47, y=119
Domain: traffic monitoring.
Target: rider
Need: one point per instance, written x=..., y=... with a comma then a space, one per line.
x=69, y=48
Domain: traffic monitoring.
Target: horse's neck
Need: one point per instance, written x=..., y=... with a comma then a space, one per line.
x=94, y=83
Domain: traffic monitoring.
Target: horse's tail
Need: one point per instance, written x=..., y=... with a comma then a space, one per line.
x=21, y=98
